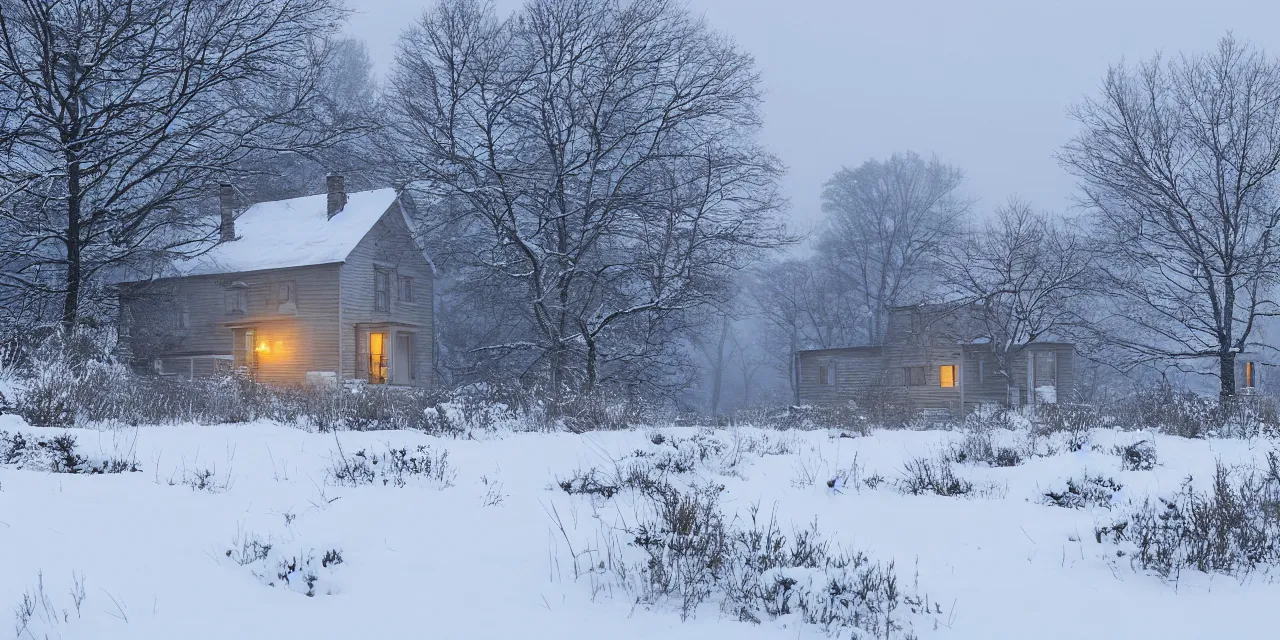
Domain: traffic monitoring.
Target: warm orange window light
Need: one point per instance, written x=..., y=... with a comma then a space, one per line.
x=378, y=358
x=1248, y=374
x=947, y=375
x=263, y=347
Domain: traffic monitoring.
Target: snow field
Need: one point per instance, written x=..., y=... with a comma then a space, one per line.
x=476, y=552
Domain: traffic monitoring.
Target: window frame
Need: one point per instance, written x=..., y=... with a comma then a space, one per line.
x=954, y=377
x=285, y=294
x=1250, y=374
x=404, y=288
x=1037, y=359
x=909, y=379
x=382, y=295
x=381, y=373
x=236, y=298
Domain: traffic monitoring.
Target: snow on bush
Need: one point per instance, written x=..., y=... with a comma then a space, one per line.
x=687, y=552
x=648, y=469
x=308, y=571
x=1095, y=490
x=921, y=476
x=980, y=447
x=1136, y=456
x=58, y=453
x=397, y=466
x=1232, y=528
x=683, y=550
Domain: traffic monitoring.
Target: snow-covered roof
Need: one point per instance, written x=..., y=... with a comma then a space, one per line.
x=292, y=233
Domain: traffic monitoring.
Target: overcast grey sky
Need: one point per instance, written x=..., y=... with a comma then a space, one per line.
x=984, y=84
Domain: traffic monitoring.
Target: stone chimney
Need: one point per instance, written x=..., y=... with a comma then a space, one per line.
x=227, y=209
x=336, y=187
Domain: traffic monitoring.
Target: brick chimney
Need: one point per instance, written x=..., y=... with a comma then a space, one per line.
x=227, y=209
x=336, y=187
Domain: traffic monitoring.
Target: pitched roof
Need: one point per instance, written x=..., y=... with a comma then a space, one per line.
x=292, y=233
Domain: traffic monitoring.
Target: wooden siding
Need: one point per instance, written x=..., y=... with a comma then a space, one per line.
x=175, y=319
x=856, y=370
x=389, y=245
x=930, y=337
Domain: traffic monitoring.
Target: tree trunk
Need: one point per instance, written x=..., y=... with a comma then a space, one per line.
x=717, y=372
x=592, y=356
x=1227, y=372
x=792, y=374
x=71, y=296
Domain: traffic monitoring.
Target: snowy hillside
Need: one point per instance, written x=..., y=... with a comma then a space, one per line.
x=223, y=532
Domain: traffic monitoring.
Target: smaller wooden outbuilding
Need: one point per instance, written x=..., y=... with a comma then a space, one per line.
x=936, y=357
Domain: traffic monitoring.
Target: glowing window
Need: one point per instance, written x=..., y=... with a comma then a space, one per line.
x=1248, y=375
x=377, y=358
x=947, y=375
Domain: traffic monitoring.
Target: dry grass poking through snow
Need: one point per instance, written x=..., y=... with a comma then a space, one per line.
x=1232, y=528
x=682, y=549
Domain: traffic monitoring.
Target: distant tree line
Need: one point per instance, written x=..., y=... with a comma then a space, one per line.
x=590, y=186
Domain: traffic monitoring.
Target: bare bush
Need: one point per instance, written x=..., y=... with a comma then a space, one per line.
x=1137, y=456
x=589, y=483
x=1232, y=528
x=395, y=467
x=58, y=454
x=922, y=476
x=978, y=447
x=1074, y=420
x=308, y=572
x=201, y=479
x=693, y=554
x=1087, y=491
x=851, y=417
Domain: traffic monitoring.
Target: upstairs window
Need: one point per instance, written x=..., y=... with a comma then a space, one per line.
x=286, y=298
x=917, y=335
x=381, y=289
x=237, y=298
x=404, y=289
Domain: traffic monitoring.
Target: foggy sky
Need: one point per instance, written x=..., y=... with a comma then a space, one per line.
x=984, y=84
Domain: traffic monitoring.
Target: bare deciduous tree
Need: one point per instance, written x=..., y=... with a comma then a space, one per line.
x=1178, y=160
x=802, y=304
x=1024, y=274
x=115, y=114
x=886, y=223
x=606, y=150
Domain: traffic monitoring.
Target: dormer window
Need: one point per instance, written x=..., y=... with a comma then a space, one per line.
x=286, y=299
x=237, y=298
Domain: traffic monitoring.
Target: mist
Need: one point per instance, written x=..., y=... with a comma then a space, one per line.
x=985, y=85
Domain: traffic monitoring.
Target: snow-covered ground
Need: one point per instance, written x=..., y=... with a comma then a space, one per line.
x=475, y=552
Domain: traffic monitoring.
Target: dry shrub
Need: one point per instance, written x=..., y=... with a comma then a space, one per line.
x=1232, y=528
